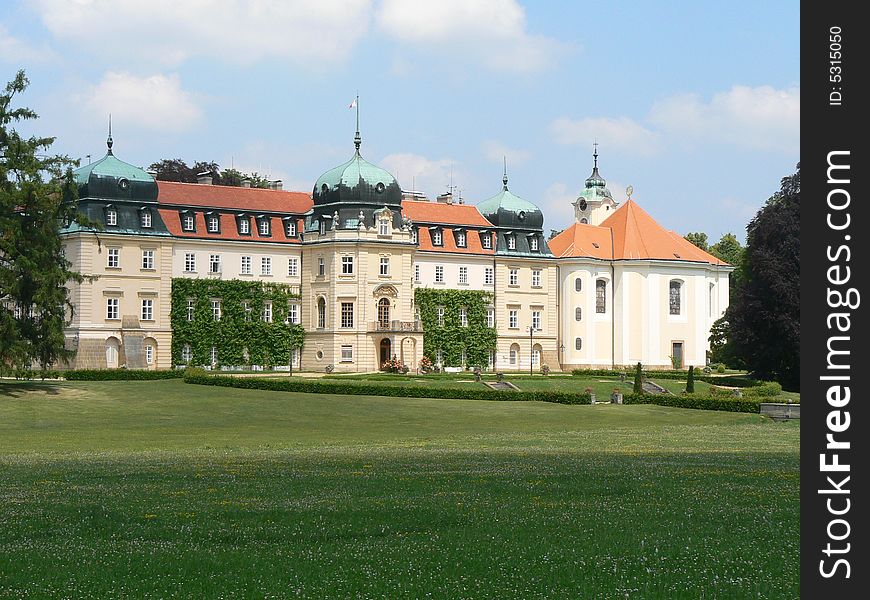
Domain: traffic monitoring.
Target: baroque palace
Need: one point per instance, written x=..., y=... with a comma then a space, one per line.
x=222, y=276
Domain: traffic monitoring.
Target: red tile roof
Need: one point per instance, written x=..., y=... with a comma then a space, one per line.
x=635, y=235
x=228, y=228
x=443, y=213
x=472, y=242
x=234, y=198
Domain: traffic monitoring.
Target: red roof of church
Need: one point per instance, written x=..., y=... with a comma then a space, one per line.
x=635, y=235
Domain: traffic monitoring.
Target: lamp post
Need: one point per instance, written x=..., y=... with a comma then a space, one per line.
x=531, y=349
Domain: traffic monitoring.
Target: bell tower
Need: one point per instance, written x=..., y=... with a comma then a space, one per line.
x=594, y=204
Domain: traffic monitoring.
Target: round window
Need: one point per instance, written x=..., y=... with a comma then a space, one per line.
x=123, y=183
x=380, y=188
x=324, y=188
x=319, y=354
x=522, y=215
x=582, y=205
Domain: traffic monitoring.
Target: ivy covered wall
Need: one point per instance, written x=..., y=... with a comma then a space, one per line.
x=236, y=332
x=477, y=339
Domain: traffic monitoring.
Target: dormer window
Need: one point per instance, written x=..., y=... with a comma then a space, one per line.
x=244, y=225
x=437, y=237
x=486, y=240
x=290, y=228
x=111, y=216
x=460, y=239
x=383, y=227
x=213, y=223
x=264, y=223
x=145, y=218
x=533, y=244
x=322, y=225
x=187, y=222
x=511, y=242
x=414, y=235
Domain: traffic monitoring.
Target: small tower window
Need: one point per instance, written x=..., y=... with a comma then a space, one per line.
x=146, y=219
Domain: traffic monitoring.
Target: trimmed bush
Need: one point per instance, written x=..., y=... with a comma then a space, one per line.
x=638, y=379
x=690, y=381
x=729, y=404
x=373, y=389
x=119, y=374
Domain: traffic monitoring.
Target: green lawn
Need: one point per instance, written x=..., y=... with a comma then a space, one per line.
x=161, y=489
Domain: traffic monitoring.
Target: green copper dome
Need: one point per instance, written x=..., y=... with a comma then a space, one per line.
x=509, y=210
x=596, y=186
x=357, y=182
x=111, y=178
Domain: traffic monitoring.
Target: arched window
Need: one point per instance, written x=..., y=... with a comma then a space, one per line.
x=113, y=347
x=674, y=296
x=321, y=313
x=710, y=294
x=578, y=285
x=578, y=343
x=514, y=355
x=578, y=314
x=384, y=313
x=536, y=355
x=601, y=296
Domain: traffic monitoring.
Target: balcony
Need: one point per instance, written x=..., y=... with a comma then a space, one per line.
x=391, y=326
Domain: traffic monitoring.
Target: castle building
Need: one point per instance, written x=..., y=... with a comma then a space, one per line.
x=613, y=289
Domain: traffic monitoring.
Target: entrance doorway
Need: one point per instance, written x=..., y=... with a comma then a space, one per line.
x=677, y=354
x=386, y=353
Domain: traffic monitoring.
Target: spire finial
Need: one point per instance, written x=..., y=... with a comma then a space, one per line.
x=504, y=177
x=595, y=153
x=109, y=141
x=357, y=140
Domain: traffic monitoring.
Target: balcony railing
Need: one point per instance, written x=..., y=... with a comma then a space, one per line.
x=396, y=326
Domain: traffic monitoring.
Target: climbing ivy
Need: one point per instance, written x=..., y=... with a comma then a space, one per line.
x=266, y=344
x=477, y=338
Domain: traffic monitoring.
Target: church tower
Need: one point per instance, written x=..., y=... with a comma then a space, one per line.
x=594, y=204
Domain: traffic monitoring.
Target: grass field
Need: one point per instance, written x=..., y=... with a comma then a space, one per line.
x=161, y=489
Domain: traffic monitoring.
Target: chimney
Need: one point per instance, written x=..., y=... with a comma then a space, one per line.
x=204, y=178
x=277, y=185
x=446, y=198
x=246, y=183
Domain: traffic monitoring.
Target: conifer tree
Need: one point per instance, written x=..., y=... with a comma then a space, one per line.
x=638, y=379
x=690, y=381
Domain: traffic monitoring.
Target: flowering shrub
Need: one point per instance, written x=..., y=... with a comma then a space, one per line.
x=425, y=365
x=545, y=369
x=394, y=365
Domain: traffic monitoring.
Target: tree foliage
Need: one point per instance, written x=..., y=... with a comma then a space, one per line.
x=762, y=324
x=37, y=195
x=477, y=338
x=176, y=169
x=699, y=239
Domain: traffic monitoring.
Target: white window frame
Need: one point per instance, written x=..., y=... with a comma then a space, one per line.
x=244, y=226
x=536, y=278
x=191, y=305
x=440, y=313
x=147, y=311
x=149, y=354
x=111, y=216
x=346, y=353
x=384, y=266
x=461, y=239
x=347, y=265
x=383, y=226
x=321, y=267
x=113, y=308
x=264, y=226
x=145, y=219
x=488, y=276
x=293, y=314
x=536, y=320
x=511, y=242
x=188, y=223
x=213, y=224
x=347, y=315
x=190, y=262
x=437, y=237
x=290, y=229
x=216, y=310
x=293, y=267
x=186, y=353
x=486, y=241
x=148, y=260
x=245, y=267
x=513, y=318
x=490, y=316
x=214, y=263
x=417, y=273
x=265, y=265
x=463, y=317
x=463, y=275
x=533, y=244
x=267, y=312
x=113, y=253
x=439, y=273
x=513, y=276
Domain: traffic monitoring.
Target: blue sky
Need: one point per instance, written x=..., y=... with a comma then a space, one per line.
x=694, y=104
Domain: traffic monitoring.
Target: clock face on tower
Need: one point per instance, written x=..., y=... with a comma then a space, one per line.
x=582, y=204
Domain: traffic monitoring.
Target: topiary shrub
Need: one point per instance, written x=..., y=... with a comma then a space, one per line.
x=690, y=381
x=638, y=379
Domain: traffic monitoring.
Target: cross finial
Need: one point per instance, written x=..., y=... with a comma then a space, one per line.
x=109, y=141
x=357, y=140
x=504, y=177
x=595, y=153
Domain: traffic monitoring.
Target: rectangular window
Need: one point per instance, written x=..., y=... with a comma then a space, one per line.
x=437, y=238
x=187, y=222
x=186, y=353
x=214, y=355
x=385, y=266
x=463, y=275
x=440, y=316
x=147, y=309
x=347, y=354
x=149, y=354
x=536, y=320
x=601, y=296
x=490, y=316
x=533, y=244
x=244, y=226
x=112, y=309
x=347, y=315
x=321, y=267
x=148, y=259
x=488, y=277
x=266, y=265
x=190, y=307
x=264, y=226
x=267, y=312
x=383, y=227
x=536, y=278
x=460, y=239
x=214, y=263
x=290, y=228
x=414, y=235
x=146, y=219
x=463, y=317
x=512, y=242
x=347, y=265
x=293, y=313
x=214, y=224
x=417, y=273
x=113, y=258
x=439, y=273
x=486, y=241
x=513, y=357
x=513, y=277
x=189, y=262
x=675, y=290
x=246, y=310
x=216, y=310
x=246, y=265
x=111, y=217
x=513, y=319
x=293, y=267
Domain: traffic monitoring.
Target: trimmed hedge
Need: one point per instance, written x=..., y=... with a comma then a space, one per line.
x=119, y=374
x=730, y=404
x=740, y=381
x=331, y=387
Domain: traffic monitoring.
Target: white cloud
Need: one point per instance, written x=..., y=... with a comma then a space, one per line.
x=423, y=174
x=763, y=118
x=495, y=151
x=306, y=32
x=620, y=134
x=157, y=102
x=14, y=50
x=492, y=32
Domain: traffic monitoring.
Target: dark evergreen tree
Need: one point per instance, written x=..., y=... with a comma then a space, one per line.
x=37, y=195
x=763, y=321
x=690, y=381
x=638, y=379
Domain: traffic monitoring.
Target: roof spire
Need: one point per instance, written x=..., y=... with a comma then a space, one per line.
x=357, y=140
x=504, y=177
x=109, y=141
x=595, y=154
